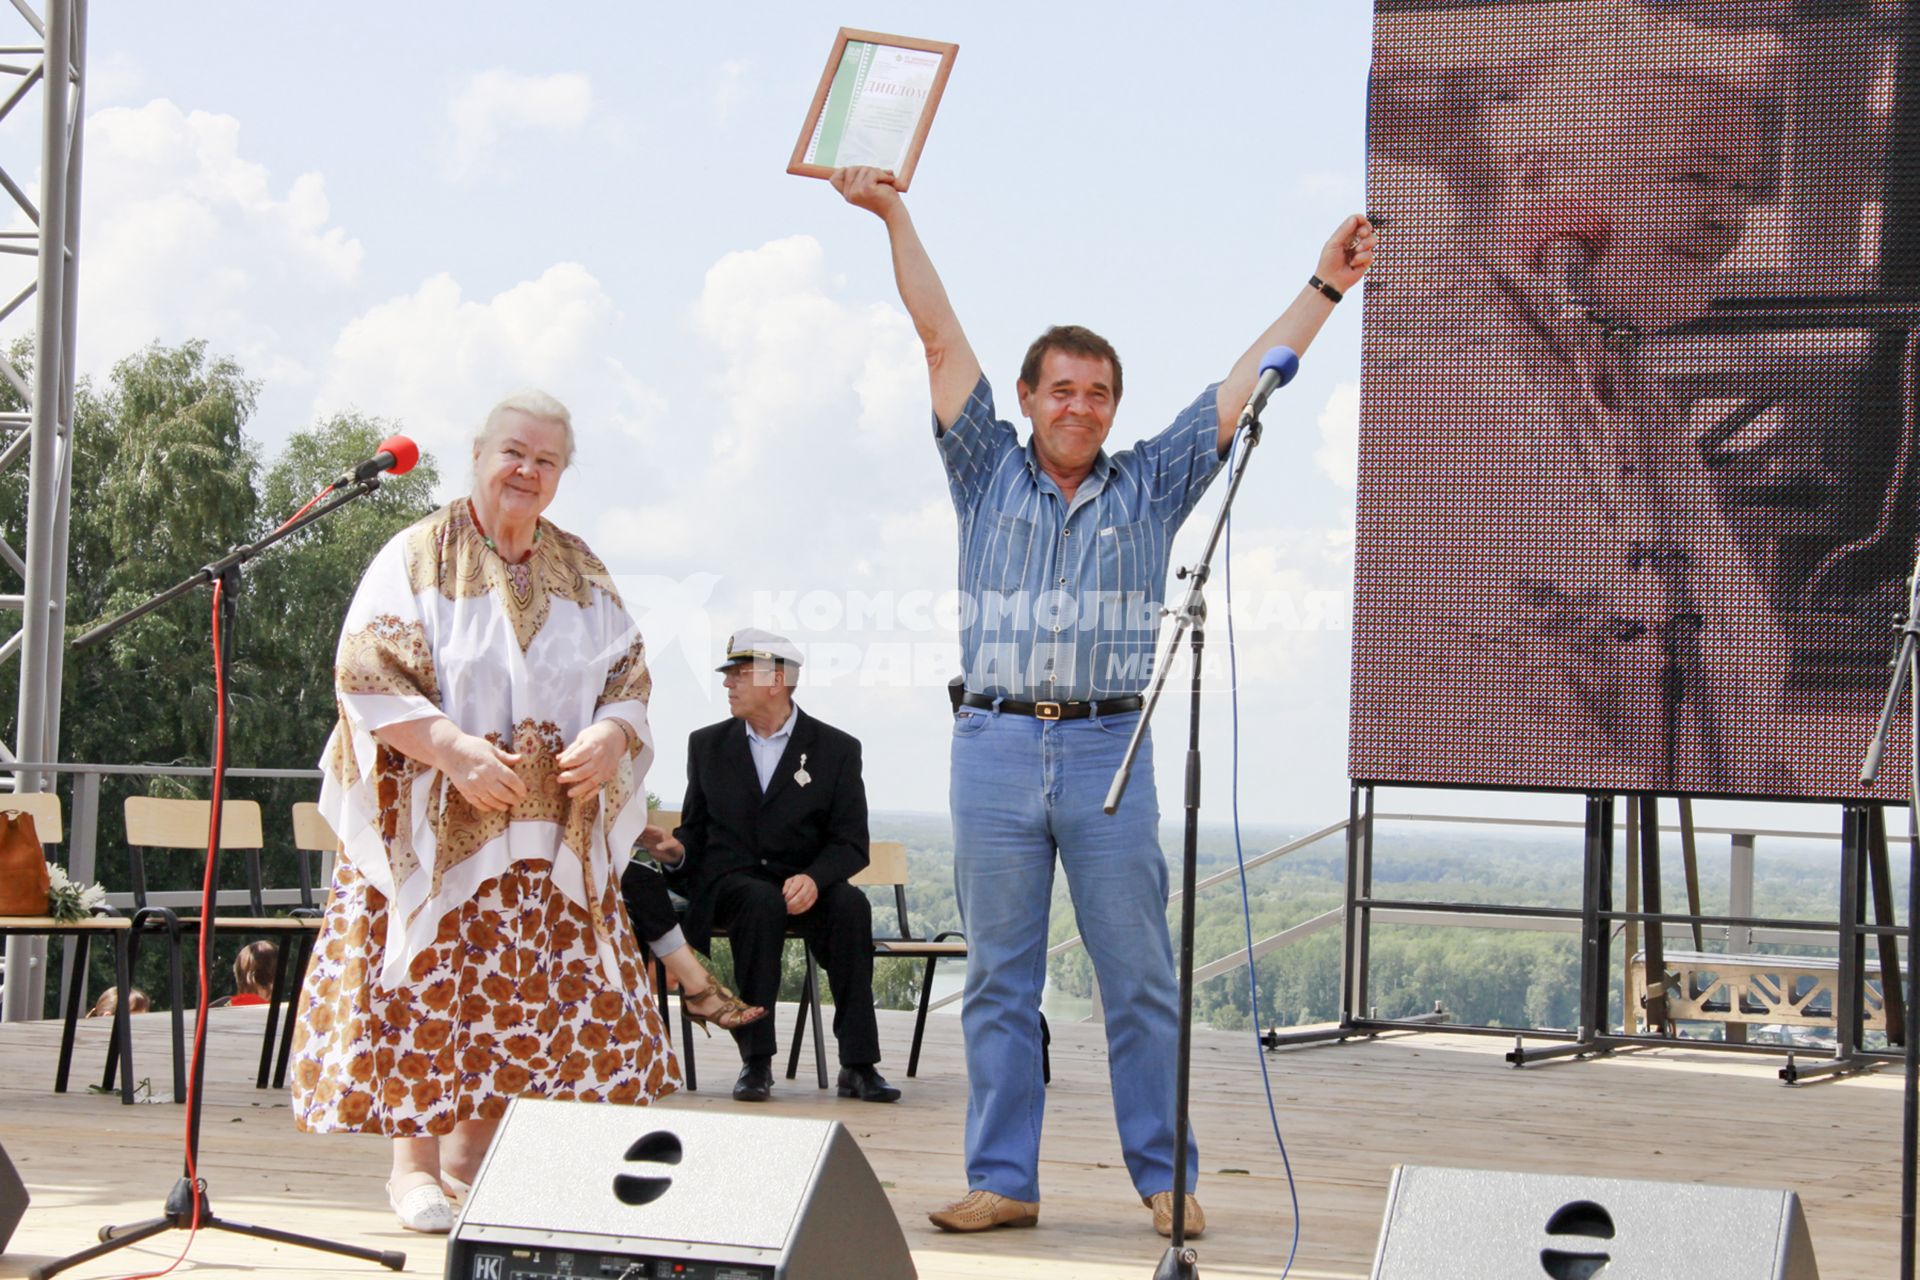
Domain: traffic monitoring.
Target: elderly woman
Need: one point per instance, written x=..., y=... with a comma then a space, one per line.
x=1553, y=595
x=486, y=781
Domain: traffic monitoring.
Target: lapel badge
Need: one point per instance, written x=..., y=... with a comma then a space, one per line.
x=800, y=775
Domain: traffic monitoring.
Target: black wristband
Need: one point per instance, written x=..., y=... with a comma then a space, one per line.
x=1315, y=282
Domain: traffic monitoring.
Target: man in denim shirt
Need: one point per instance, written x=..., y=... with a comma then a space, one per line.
x=1063, y=558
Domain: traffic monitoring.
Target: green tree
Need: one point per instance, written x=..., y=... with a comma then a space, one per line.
x=164, y=481
x=298, y=592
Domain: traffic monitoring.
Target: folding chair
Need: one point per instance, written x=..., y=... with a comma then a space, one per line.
x=44, y=806
x=887, y=868
x=154, y=825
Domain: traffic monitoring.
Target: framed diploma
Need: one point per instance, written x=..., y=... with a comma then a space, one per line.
x=874, y=105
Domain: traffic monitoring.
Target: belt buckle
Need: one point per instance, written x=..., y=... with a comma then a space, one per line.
x=1046, y=711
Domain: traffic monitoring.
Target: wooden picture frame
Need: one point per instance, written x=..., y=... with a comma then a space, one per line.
x=861, y=114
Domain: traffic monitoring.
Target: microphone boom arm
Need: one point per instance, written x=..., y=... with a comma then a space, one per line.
x=206, y=575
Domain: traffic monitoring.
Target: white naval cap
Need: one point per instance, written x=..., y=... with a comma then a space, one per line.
x=751, y=642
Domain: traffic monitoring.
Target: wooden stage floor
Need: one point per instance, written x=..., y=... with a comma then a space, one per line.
x=1349, y=1112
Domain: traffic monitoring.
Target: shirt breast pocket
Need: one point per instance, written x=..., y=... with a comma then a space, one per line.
x=1125, y=553
x=1007, y=548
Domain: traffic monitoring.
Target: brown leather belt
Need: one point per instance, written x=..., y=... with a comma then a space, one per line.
x=1052, y=710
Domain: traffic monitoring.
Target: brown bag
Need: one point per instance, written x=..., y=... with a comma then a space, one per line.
x=23, y=866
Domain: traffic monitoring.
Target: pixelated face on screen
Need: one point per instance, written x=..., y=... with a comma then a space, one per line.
x=1636, y=491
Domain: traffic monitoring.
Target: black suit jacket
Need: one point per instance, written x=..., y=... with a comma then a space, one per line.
x=728, y=826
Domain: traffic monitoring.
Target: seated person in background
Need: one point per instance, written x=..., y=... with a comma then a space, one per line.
x=774, y=824
x=657, y=924
x=109, y=1002
x=254, y=971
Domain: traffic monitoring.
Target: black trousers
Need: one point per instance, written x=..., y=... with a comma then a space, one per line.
x=648, y=906
x=838, y=929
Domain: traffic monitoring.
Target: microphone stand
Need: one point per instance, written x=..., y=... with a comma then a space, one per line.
x=187, y=1207
x=1906, y=672
x=1181, y=1261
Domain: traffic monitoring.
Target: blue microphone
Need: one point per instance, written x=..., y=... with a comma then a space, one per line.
x=1276, y=370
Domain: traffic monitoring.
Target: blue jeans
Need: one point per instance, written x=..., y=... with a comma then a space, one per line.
x=1024, y=789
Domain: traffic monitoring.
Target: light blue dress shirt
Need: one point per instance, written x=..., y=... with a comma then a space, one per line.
x=768, y=750
x=1061, y=602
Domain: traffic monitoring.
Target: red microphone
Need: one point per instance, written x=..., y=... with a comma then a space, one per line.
x=397, y=455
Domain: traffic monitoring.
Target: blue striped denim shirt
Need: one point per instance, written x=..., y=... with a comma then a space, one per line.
x=1062, y=603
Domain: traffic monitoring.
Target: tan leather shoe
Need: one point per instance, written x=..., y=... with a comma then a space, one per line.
x=1161, y=1203
x=982, y=1211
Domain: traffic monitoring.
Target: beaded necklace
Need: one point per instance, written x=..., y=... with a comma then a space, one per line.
x=478, y=528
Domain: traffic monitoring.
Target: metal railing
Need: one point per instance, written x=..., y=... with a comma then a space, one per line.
x=25, y=971
x=1742, y=845
x=26, y=958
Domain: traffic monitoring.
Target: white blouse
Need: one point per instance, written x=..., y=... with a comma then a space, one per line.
x=527, y=656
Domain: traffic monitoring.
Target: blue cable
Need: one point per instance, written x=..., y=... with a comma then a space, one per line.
x=1246, y=901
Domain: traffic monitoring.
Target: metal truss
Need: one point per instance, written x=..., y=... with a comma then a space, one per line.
x=41, y=62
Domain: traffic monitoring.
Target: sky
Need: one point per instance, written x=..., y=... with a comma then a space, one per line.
x=411, y=210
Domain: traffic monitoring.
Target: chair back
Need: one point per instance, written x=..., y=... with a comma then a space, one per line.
x=45, y=808
x=155, y=823
x=312, y=834
x=667, y=819
x=886, y=865
x=887, y=868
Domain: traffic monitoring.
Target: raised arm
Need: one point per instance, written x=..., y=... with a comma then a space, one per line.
x=952, y=368
x=1343, y=261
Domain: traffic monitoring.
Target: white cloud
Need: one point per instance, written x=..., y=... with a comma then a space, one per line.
x=813, y=395
x=491, y=104
x=803, y=363
x=437, y=360
x=1292, y=602
x=183, y=237
x=1339, y=451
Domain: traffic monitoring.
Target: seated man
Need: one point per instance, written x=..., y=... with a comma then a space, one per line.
x=774, y=823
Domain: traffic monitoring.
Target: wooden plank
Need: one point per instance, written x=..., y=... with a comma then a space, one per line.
x=1350, y=1113
x=898, y=947
x=47, y=924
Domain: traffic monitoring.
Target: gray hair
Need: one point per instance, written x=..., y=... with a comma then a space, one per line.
x=534, y=404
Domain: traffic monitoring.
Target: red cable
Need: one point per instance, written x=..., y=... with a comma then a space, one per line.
x=206, y=922
x=302, y=511
x=207, y=902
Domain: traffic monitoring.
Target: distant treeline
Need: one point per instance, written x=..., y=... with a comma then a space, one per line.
x=1492, y=977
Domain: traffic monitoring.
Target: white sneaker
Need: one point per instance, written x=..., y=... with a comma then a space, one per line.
x=423, y=1208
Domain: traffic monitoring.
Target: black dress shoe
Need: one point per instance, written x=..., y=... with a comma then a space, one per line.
x=866, y=1084
x=755, y=1083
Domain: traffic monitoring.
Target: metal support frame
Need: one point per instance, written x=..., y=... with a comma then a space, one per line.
x=1356, y=936
x=1861, y=870
x=1864, y=875
x=53, y=63
x=1596, y=942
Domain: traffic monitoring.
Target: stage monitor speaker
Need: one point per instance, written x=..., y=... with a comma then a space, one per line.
x=1474, y=1224
x=13, y=1199
x=592, y=1191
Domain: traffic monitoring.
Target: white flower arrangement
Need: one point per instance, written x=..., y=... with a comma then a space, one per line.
x=67, y=901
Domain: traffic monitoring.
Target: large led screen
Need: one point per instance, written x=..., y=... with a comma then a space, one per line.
x=1637, y=458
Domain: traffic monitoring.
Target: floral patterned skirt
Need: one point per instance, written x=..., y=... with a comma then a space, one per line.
x=510, y=999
